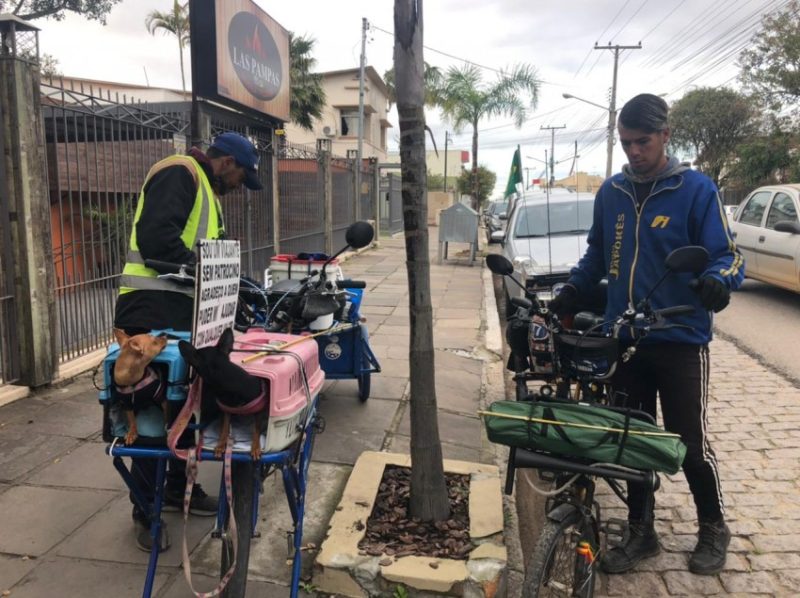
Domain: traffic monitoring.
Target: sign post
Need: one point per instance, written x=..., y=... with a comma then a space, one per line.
x=216, y=290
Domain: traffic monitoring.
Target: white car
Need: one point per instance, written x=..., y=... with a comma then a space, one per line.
x=545, y=238
x=766, y=229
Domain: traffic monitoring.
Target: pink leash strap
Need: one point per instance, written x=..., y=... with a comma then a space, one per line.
x=181, y=422
x=191, y=477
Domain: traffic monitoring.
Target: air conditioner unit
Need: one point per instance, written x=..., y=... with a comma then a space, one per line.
x=328, y=132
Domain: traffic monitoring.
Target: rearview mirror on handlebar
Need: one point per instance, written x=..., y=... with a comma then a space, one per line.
x=499, y=264
x=359, y=234
x=691, y=258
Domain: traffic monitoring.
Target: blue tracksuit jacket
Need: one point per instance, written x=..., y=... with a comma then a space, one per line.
x=629, y=244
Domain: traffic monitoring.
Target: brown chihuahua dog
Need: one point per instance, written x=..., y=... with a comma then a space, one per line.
x=138, y=386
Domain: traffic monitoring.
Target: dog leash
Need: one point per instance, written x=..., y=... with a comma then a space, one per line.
x=191, y=456
x=191, y=477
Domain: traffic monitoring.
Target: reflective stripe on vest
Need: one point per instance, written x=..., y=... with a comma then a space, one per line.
x=203, y=223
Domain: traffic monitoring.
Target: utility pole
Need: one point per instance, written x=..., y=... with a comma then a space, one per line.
x=612, y=109
x=527, y=179
x=359, y=154
x=446, y=139
x=552, y=149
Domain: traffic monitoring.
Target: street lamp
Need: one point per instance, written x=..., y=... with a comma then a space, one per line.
x=612, y=121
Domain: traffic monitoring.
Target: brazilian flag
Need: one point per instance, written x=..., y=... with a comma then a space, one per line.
x=515, y=176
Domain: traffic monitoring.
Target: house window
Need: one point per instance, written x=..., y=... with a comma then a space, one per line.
x=349, y=123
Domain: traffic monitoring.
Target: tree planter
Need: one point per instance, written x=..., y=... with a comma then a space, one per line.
x=342, y=569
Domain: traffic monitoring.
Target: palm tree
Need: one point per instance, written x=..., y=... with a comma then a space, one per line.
x=307, y=94
x=428, y=500
x=464, y=100
x=432, y=80
x=175, y=23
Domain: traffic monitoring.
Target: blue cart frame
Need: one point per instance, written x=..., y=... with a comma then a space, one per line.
x=294, y=469
x=346, y=354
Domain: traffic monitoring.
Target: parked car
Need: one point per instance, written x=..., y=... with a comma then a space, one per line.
x=543, y=249
x=766, y=229
x=495, y=217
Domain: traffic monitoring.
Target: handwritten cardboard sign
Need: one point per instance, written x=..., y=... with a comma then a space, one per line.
x=216, y=290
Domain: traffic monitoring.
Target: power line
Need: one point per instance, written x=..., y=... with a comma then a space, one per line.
x=466, y=61
x=636, y=12
x=589, y=53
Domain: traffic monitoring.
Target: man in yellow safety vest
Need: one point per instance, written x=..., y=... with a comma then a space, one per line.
x=178, y=205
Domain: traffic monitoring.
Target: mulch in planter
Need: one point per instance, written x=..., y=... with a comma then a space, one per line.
x=391, y=532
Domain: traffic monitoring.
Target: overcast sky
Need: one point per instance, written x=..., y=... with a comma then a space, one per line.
x=684, y=44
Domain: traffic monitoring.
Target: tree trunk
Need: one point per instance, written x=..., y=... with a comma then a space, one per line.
x=475, y=202
x=429, y=499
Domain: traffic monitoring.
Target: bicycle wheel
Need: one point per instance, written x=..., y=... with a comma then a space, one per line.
x=555, y=568
x=243, y=484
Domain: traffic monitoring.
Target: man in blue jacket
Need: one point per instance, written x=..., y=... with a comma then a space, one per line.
x=655, y=205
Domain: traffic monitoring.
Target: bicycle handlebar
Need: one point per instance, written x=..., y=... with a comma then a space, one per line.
x=348, y=283
x=167, y=267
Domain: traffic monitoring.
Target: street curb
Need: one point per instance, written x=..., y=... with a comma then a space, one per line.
x=494, y=342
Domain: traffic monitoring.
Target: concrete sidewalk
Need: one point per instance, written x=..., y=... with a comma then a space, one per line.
x=65, y=524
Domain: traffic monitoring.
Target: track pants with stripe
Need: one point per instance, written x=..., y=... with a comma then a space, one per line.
x=678, y=375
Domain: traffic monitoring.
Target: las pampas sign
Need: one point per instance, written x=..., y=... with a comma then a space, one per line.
x=240, y=55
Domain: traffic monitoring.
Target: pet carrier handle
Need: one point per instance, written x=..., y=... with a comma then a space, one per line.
x=348, y=283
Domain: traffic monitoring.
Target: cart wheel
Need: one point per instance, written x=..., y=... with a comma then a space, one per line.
x=243, y=477
x=364, y=386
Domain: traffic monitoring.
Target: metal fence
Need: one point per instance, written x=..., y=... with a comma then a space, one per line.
x=391, y=204
x=99, y=150
x=98, y=153
x=301, y=193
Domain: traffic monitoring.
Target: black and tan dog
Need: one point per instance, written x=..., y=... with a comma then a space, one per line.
x=228, y=390
x=137, y=384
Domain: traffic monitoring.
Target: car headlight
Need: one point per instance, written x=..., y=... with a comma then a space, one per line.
x=525, y=264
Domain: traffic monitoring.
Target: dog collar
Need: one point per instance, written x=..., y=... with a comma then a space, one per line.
x=259, y=403
x=150, y=376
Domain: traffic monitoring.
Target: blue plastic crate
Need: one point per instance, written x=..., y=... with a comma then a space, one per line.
x=170, y=358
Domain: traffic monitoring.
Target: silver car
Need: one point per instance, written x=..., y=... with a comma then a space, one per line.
x=767, y=232
x=545, y=238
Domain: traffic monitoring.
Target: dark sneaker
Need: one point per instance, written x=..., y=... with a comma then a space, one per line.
x=709, y=555
x=144, y=541
x=201, y=504
x=639, y=542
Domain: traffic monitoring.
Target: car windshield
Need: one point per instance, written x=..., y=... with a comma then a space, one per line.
x=565, y=218
x=496, y=207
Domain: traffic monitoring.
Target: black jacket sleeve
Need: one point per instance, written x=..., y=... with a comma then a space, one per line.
x=169, y=199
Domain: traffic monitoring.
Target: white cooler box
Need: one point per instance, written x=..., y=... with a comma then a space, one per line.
x=288, y=266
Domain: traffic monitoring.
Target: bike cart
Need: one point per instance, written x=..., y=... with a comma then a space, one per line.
x=287, y=444
x=344, y=351
x=346, y=354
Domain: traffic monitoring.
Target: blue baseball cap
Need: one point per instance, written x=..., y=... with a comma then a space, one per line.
x=244, y=152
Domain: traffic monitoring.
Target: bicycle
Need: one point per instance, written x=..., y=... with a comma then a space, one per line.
x=568, y=551
x=289, y=448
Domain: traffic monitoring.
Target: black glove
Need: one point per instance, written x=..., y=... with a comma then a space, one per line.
x=565, y=301
x=714, y=295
